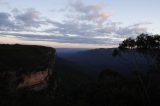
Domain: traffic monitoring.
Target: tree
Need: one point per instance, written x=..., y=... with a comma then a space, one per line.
x=148, y=46
x=129, y=43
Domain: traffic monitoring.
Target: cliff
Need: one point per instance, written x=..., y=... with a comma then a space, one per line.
x=26, y=66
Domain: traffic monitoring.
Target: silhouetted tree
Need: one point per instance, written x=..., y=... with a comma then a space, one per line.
x=129, y=43
x=148, y=46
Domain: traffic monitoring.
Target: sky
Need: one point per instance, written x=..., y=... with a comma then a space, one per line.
x=77, y=23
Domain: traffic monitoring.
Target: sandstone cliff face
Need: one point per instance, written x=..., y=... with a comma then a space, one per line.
x=26, y=66
x=34, y=79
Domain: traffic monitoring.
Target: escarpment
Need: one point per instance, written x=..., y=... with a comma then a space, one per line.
x=26, y=67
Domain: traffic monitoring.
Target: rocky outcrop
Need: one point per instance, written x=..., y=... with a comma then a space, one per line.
x=36, y=79
x=26, y=67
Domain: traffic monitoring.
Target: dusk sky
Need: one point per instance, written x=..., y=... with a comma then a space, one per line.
x=77, y=23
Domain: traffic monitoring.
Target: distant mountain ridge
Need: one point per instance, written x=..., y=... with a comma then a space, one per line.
x=69, y=50
x=95, y=60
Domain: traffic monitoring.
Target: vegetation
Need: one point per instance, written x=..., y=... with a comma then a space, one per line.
x=145, y=44
x=149, y=47
x=110, y=88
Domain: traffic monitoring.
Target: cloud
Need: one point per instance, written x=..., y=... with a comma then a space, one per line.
x=91, y=30
x=72, y=28
x=88, y=24
x=84, y=34
x=90, y=20
x=21, y=21
x=64, y=39
x=5, y=21
x=88, y=12
x=29, y=18
x=105, y=14
x=133, y=30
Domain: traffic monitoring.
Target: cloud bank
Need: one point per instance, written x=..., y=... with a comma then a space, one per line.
x=86, y=24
